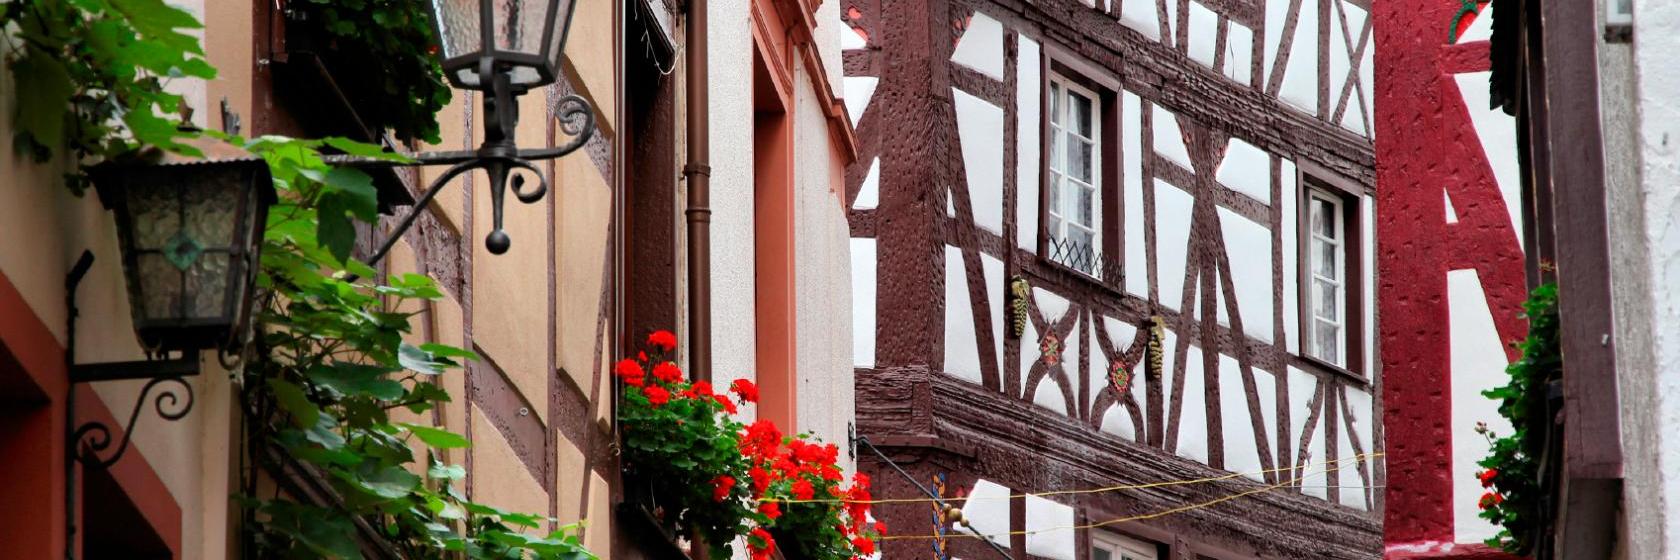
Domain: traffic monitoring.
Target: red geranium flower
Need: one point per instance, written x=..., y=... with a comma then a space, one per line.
x=663, y=339
x=1490, y=499
x=630, y=371
x=802, y=489
x=747, y=391
x=760, y=543
x=727, y=405
x=880, y=528
x=668, y=373
x=722, y=486
x=657, y=396
x=864, y=545
x=701, y=388
x=1487, y=477
x=860, y=480
x=770, y=510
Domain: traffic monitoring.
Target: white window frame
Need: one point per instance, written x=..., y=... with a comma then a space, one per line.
x=1123, y=548
x=1339, y=282
x=1056, y=166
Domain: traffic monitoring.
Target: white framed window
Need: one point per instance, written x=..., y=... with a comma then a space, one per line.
x=1073, y=207
x=1327, y=275
x=1109, y=546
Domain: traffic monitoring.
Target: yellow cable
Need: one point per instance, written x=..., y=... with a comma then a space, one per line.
x=1361, y=458
x=1119, y=520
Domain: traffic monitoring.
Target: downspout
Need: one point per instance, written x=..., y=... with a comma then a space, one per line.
x=698, y=173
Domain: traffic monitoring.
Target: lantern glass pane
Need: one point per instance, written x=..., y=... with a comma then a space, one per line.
x=212, y=208
x=207, y=287
x=562, y=20
x=519, y=25
x=160, y=287
x=458, y=21
x=157, y=215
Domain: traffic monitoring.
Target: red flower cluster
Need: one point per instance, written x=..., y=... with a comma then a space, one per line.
x=668, y=373
x=630, y=371
x=722, y=486
x=663, y=340
x=745, y=389
x=1487, y=477
x=760, y=544
x=1490, y=499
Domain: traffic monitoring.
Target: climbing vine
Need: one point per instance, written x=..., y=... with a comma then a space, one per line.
x=90, y=77
x=1511, y=471
x=382, y=53
x=332, y=382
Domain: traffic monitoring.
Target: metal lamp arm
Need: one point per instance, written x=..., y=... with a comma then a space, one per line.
x=497, y=157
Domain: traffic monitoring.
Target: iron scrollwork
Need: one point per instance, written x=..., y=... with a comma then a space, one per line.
x=93, y=438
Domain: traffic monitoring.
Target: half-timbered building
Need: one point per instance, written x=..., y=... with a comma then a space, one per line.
x=1112, y=268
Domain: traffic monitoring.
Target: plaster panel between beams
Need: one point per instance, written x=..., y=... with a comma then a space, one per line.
x=1477, y=365
x=980, y=129
x=1173, y=209
x=863, y=302
x=981, y=46
x=1248, y=246
x=1028, y=81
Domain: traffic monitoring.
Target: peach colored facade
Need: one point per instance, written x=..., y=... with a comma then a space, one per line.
x=545, y=316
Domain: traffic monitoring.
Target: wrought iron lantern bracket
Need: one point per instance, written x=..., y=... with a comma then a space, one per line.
x=499, y=157
x=88, y=439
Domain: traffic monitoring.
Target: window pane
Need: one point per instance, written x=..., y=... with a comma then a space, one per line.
x=1054, y=226
x=1324, y=260
x=1085, y=204
x=1326, y=301
x=1100, y=554
x=1055, y=102
x=1326, y=338
x=1079, y=162
x=1055, y=195
x=1324, y=217
x=1081, y=114
x=1055, y=149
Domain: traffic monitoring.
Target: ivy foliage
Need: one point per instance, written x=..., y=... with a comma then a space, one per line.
x=332, y=380
x=383, y=54
x=1512, y=468
x=90, y=77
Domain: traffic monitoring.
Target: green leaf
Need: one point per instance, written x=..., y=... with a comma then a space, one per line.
x=447, y=351
x=334, y=229
x=446, y=472
x=437, y=438
x=362, y=149
x=389, y=482
x=355, y=189
x=41, y=105
x=291, y=399
x=417, y=360
x=354, y=380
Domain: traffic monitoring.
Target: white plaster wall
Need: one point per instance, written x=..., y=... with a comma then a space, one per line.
x=1248, y=245
x=1242, y=454
x=1341, y=61
x=734, y=348
x=1131, y=132
x=1049, y=533
x=1203, y=33
x=1302, y=386
x=1169, y=141
x=1247, y=170
x=1192, y=423
x=1360, y=412
x=1172, y=237
x=1475, y=368
x=1659, y=168
x=987, y=510
x=822, y=237
x=962, y=352
x=1498, y=133
x=863, y=302
x=980, y=129
x=1141, y=16
x=981, y=46
x=1028, y=83
x=1300, y=77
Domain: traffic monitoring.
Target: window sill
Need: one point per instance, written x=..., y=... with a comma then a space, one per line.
x=1113, y=283
x=1334, y=369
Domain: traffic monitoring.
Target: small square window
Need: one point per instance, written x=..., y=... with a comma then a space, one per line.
x=1109, y=546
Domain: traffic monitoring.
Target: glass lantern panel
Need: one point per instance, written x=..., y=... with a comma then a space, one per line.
x=556, y=46
x=459, y=23
x=160, y=286
x=207, y=284
x=524, y=75
x=212, y=207
x=156, y=215
x=519, y=25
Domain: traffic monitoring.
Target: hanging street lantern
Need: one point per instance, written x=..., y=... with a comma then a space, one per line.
x=190, y=230
x=517, y=40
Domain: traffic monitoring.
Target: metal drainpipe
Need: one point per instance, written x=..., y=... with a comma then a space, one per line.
x=698, y=173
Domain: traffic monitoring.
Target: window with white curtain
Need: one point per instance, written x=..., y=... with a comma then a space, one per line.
x=1073, y=213
x=1327, y=274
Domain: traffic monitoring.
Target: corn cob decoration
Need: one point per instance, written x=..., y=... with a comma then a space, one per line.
x=1157, y=331
x=1019, y=291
